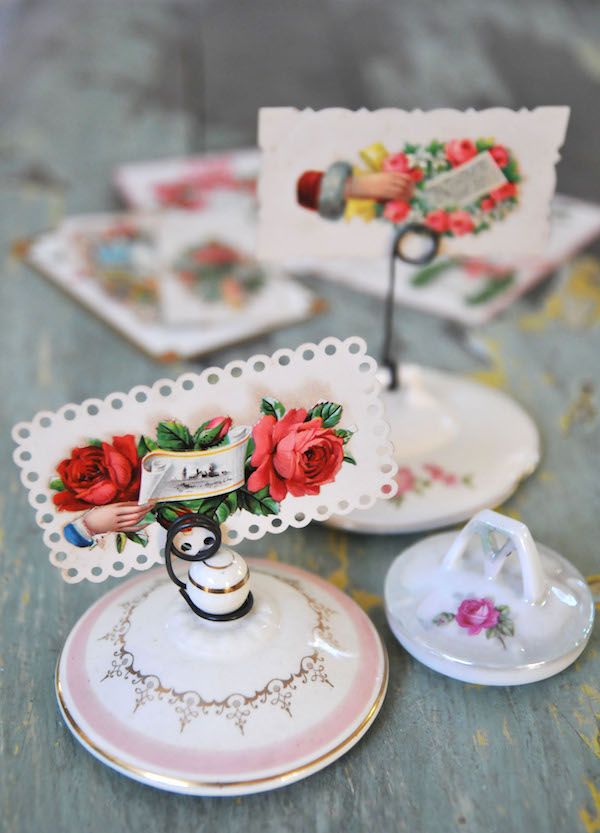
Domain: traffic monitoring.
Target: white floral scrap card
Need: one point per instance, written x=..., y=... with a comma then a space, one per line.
x=210, y=274
x=193, y=183
x=259, y=445
x=338, y=182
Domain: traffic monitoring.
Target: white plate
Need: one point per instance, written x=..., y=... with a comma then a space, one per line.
x=460, y=447
x=222, y=708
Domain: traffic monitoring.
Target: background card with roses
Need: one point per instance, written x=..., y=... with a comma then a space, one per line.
x=318, y=446
x=524, y=145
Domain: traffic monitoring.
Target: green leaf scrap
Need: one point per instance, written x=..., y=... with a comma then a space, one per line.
x=493, y=287
x=429, y=273
x=173, y=436
x=344, y=434
x=138, y=538
x=258, y=503
x=511, y=171
x=434, y=147
x=272, y=407
x=145, y=445
x=330, y=413
x=444, y=618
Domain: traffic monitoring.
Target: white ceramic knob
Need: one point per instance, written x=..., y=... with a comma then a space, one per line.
x=219, y=585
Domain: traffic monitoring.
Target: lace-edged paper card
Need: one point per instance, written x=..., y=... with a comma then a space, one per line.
x=260, y=445
x=336, y=182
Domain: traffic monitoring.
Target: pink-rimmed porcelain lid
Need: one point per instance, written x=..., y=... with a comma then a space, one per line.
x=212, y=708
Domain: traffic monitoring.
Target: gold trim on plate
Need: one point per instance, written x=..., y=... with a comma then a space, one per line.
x=170, y=781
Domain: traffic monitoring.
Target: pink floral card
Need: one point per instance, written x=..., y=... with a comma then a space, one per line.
x=194, y=183
x=258, y=445
x=337, y=182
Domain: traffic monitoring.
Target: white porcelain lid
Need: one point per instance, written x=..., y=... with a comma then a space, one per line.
x=489, y=606
x=211, y=708
x=460, y=447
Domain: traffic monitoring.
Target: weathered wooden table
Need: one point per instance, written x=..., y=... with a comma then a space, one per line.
x=86, y=85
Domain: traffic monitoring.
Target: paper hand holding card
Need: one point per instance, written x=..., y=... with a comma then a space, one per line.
x=259, y=446
x=480, y=180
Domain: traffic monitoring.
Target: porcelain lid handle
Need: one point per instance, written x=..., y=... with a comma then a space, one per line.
x=519, y=540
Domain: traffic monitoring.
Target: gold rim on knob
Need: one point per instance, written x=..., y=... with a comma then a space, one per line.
x=231, y=589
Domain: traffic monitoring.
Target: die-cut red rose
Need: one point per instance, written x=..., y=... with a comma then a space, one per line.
x=291, y=455
x=99, y=474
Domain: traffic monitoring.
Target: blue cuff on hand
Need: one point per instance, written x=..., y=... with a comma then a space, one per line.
x=75, y=537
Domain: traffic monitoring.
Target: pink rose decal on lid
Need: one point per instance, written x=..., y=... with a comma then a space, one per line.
x=477, y=615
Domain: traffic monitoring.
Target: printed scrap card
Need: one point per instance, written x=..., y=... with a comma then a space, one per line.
x=209, y=272
x=196, y=183
x=471, y=291
x=155, y=278
x=259, y=445
x=337, y=182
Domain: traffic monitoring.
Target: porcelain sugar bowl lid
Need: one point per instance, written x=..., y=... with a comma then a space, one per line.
x=489, y=606
x=254, y=675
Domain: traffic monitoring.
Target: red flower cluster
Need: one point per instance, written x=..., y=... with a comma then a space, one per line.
x=459, y=151
x=459, y=223
x=291, y=455
x=99, y=474
x=456, y=222
x=215, y=253
x=398, y=163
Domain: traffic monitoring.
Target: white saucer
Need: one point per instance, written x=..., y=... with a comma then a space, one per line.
x=486, y=613
x=460, y=447
x=222, y=708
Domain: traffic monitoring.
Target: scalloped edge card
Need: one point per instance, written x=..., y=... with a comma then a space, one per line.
x=338, y=182
x=260, y=445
